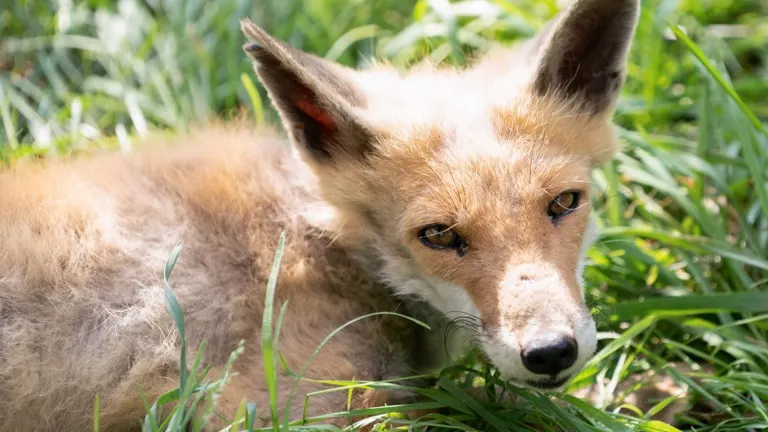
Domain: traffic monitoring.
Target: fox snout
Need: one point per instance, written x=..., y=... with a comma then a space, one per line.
x=545, y=333
x=542, y=358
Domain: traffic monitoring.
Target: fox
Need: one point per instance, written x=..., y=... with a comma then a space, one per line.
x=447, y=194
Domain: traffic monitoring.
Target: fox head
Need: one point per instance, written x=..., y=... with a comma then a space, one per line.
x=471, y=187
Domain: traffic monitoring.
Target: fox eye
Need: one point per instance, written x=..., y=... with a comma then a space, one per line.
x=439, y=236
x=565, y=203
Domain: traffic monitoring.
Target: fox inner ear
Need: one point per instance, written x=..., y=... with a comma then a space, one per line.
x=317, y=103
x=582, y=54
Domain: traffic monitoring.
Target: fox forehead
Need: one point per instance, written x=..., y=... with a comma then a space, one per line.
x=459, y=185
x=469, y=114
x=511, y=151
x=399, y=100
x=427, y=93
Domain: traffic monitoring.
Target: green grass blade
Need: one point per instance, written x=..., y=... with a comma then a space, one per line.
x=699, y=54
x=96, y=414
x=325, y=341
x=268, y=350
x=255, y=98
x=749, y=301
x=172, y=304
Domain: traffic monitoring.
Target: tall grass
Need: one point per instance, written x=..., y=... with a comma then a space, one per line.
x=677, y=278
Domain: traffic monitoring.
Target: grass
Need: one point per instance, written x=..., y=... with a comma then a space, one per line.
x=677, y=278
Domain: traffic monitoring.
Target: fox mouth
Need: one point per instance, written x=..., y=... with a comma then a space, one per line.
x=549, y=383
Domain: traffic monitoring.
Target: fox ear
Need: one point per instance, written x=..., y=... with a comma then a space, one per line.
x=582, y=53
x=316, y=101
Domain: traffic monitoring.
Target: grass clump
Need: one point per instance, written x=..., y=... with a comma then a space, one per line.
x=677, y=278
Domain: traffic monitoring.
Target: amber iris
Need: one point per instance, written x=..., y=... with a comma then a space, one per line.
x=565, y=203
x=439, y=236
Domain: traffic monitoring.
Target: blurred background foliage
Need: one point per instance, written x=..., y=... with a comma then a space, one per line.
x=680, y=268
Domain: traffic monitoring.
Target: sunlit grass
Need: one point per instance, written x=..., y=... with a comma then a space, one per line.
x=677, y=277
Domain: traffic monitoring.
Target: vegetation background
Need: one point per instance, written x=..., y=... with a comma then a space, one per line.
x=677, y=279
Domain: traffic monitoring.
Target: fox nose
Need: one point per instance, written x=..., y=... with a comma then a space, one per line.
x=550, y=356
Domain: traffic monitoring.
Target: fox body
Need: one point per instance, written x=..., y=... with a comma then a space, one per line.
x=438, y=193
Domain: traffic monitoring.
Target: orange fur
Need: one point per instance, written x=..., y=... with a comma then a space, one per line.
x=83, y=247
x=381, y=154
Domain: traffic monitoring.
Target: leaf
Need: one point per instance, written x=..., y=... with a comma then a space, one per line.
x=96, y=414
x=745, y=302
x=657, y=426
x=620, y=341
x=255, y=97
x=268, y=350
x=172, y=304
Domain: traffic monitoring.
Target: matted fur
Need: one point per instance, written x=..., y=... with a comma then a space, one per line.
x=380, y=155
